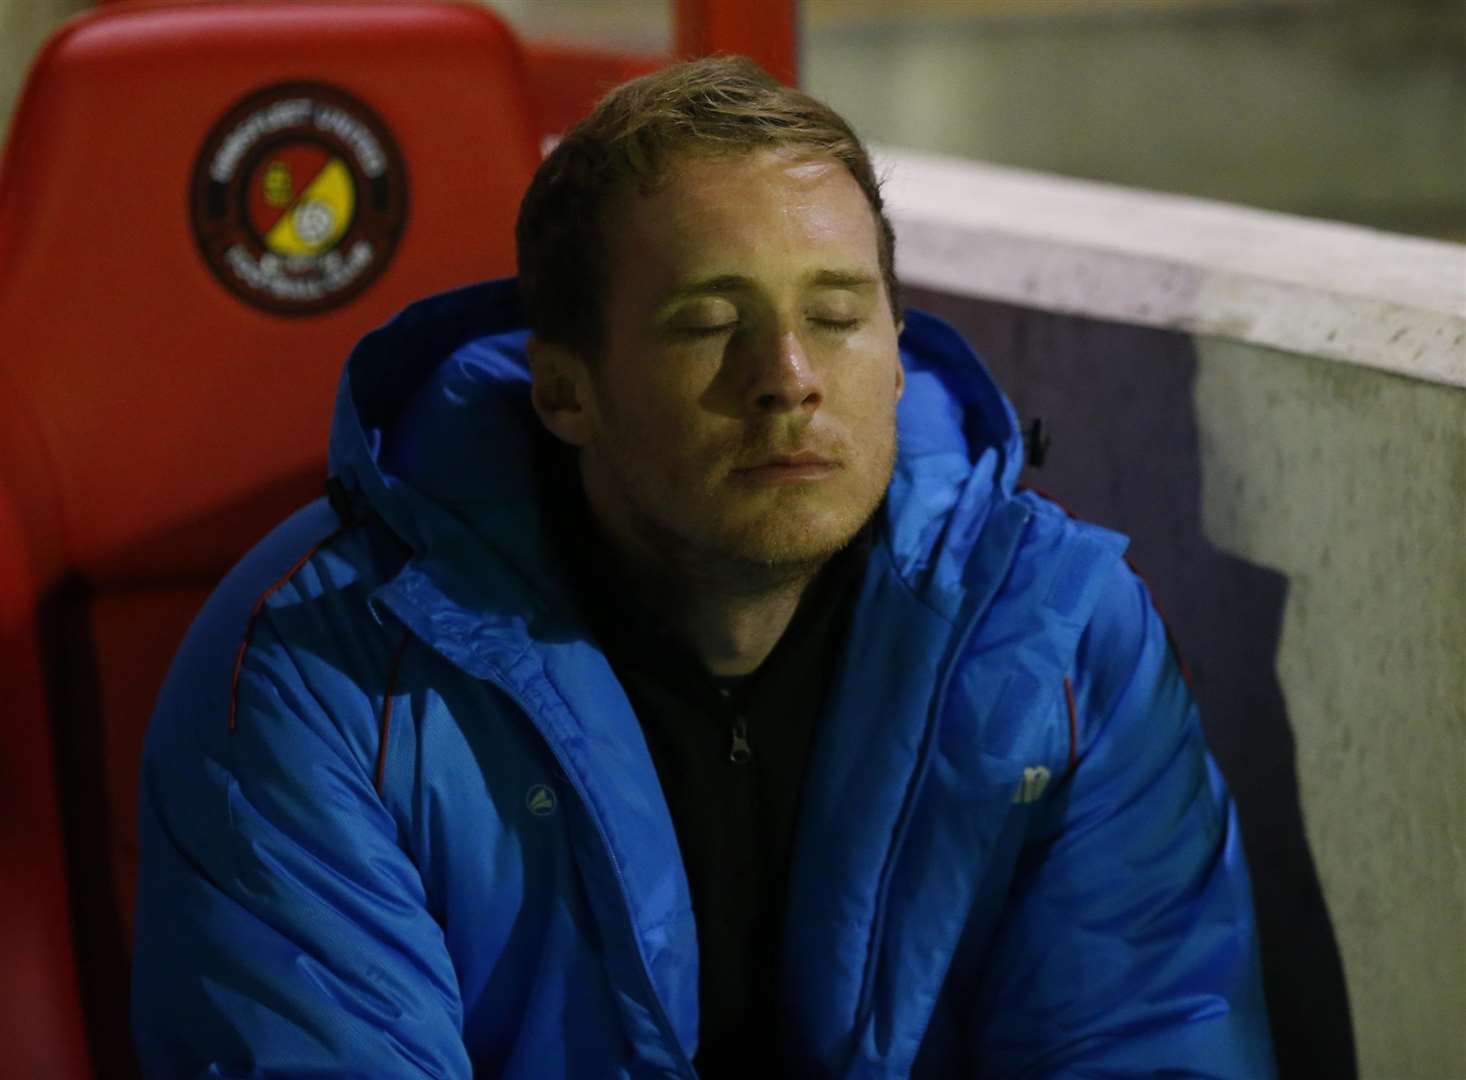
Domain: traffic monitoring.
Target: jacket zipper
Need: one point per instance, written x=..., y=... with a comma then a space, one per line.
x=739, y=752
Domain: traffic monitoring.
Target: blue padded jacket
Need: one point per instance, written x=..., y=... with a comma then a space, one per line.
x=398, y=818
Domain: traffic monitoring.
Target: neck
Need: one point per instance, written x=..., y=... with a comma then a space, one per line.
x=730, y=613
x=732, y=626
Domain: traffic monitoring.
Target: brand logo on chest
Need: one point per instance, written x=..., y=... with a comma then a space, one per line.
x=540, y=800
x=1035, y=780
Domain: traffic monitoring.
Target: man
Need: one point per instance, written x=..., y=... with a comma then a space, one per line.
x=642, y=703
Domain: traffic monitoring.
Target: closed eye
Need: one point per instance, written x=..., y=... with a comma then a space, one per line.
x=707, y=331
x=836, y=325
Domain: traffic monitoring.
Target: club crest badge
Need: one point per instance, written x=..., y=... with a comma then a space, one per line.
x=299, y=198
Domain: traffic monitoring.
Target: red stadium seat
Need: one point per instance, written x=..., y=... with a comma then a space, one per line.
x=202, y=206
x=44, y=1035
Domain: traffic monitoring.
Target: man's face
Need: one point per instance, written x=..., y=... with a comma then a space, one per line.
x=744, y=403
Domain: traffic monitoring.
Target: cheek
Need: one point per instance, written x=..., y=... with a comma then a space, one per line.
x=873, y=393
x=661, y=435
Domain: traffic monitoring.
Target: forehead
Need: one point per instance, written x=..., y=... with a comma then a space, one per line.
x=764, y=208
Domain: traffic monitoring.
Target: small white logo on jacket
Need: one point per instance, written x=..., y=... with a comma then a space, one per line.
x=1035, y=779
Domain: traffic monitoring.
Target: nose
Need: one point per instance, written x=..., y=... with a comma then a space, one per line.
x=783, y=380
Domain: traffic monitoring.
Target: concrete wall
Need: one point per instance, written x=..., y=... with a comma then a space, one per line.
x=1300, y=515
x=1352, y=485
x=1350, y=109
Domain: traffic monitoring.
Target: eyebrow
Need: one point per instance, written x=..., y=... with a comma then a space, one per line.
x=727, y=283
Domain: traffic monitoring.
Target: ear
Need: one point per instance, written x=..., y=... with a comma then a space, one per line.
x=561, y=391
x=900, y=367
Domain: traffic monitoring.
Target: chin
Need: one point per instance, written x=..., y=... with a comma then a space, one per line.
x=793, y=538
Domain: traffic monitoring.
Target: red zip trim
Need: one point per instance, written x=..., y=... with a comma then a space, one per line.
x=1073, y=724
x=254, y=615
x=1166, y=626
x=387, y=713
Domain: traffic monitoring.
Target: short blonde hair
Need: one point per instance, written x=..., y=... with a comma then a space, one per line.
x=632, y=140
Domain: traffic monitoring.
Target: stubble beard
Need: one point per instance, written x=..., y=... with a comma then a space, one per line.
x=779, y=550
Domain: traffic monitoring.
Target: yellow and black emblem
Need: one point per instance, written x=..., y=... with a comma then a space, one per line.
x=299, y=198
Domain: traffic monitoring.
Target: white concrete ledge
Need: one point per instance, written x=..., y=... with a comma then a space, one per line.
x=1319, y=288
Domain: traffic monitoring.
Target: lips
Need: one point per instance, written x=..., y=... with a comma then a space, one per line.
x=805, y=467
x=791, y=461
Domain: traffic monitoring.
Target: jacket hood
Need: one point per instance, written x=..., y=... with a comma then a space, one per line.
x=433, y=425
x=434, y=428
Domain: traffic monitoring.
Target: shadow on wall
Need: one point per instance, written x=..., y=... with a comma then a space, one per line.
x=1126, y=454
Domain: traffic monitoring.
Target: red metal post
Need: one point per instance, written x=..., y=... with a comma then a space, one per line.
x=765, y=30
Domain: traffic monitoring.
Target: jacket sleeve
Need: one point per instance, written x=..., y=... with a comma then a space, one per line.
x=1128, y=947
x=282, y=930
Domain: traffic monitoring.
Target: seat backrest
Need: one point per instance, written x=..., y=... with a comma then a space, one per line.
x=202, y=206
x=42, y=1028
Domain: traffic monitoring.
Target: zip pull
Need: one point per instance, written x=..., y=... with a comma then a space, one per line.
x=740, y=753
